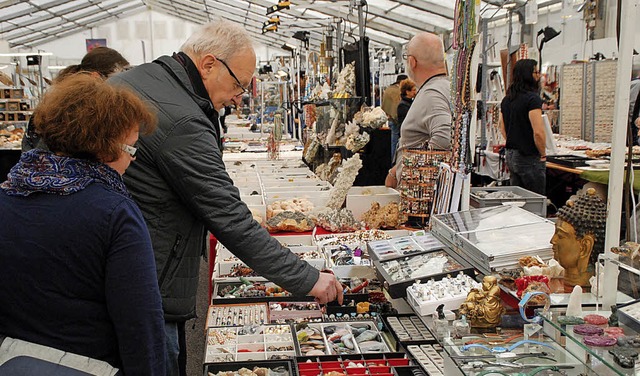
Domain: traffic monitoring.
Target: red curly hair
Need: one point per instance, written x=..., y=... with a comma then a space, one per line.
x=84, y=117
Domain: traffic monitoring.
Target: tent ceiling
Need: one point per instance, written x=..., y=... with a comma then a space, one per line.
x=389, y=22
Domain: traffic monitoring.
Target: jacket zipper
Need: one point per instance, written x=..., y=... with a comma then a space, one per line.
x=172, y=254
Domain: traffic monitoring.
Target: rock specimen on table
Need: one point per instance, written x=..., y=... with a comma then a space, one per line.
x=337, y=220
x=346, y=176
x=290, y=221
x=382, y=217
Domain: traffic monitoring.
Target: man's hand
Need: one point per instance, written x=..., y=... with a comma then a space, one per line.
x=327, y=289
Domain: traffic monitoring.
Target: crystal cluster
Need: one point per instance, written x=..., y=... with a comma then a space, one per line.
x=346, y=82
x=337, y=220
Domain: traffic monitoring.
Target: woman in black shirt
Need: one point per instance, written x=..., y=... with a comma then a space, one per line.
x=408, y=91
x=522, y=126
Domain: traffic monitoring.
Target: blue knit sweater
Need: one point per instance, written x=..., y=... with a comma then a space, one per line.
x=77, y=273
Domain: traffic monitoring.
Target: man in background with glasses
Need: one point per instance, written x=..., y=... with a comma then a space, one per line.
x=428, y=122
x=181, y=185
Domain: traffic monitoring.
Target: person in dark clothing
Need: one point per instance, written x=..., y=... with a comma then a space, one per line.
x=77, y=271
x=181, y=184
x=101, y=61
x=522, y=126
x=408, y=91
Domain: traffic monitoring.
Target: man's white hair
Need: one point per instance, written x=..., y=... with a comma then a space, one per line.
x=220, y=38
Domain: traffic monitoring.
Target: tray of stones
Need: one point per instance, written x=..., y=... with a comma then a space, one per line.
x=294, y=312
x=263, y=368
x=251, y=342
x=339, y=338
x=226, y=292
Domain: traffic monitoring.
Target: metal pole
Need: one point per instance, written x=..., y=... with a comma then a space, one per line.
x=41, y=80
x=298, y=114
x=363, y=54
x=483, y=77
x=339, y=43
x=618, y=142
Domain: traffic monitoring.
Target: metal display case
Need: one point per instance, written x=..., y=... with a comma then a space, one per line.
x=495, y=238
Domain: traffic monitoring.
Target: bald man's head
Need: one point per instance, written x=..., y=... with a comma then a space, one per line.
x=427, y=49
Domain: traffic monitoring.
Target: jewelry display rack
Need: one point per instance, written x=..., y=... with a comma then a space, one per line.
x=417, y=186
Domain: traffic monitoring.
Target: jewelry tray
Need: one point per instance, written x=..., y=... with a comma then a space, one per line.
x=383, y=250
x=362, y=364
x=229, y=344
x=408, y=329
x=398, y=274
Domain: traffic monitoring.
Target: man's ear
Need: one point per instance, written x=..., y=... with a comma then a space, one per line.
x=206, y=64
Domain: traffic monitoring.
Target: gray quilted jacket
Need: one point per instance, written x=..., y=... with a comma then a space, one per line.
x=179, y=181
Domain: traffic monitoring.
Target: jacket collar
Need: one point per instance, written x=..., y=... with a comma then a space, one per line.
x=181, y=74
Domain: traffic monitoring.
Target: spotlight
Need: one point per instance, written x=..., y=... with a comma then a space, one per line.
x=548, y=34
x=302, y=36
x=272, y=21
x=273, y=27
x=280, y=6
x=288, y=47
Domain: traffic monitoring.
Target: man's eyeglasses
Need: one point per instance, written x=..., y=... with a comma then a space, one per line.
x=244, y=90
x=405, y=56
x=129, y=150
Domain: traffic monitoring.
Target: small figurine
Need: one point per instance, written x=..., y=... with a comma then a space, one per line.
x=579, y=237
x=613, y=319
x=483, y=308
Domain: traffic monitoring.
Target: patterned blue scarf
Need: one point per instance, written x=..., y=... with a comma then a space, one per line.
x=40, y=171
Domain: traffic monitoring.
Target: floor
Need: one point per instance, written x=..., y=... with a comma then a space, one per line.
x=195, y=328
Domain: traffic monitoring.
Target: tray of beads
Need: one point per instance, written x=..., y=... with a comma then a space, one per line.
x=398, y=274
x=403, y=246
x=360, y=364
x=408, y=329
x=294, y=312
x=250, y=342
x=340, y=338
x=424, y=298
x=263, y=368
x=237, y=315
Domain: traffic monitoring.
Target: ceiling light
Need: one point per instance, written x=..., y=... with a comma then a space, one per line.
x=280, y=6
x=272, y=27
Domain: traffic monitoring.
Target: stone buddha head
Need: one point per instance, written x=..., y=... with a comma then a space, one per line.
x=579, y=237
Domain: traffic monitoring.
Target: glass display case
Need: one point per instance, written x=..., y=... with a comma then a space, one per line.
x=554, y=350
x=273, y=96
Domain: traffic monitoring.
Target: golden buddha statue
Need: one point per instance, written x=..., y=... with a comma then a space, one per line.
x=579, y=237
x=483, y=308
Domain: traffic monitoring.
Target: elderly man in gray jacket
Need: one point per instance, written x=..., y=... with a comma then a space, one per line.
x=179, y=179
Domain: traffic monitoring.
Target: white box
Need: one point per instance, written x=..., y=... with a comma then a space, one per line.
x=318, y=199
x=359, y=199
x=252, y=200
